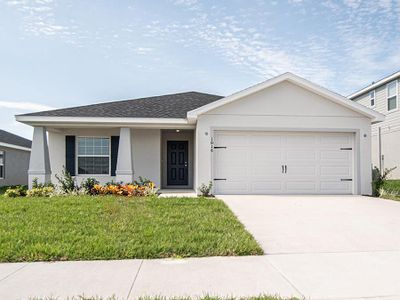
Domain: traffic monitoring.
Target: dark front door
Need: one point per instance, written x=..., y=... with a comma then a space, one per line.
x=177, y=163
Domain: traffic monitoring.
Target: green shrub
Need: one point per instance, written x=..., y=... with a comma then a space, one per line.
x=379, y=179
x=46, y=191
x=17, y=191
x=37, y=185
x=205, y=190
x=67, y=182
x=142, y=181
x=88, y=185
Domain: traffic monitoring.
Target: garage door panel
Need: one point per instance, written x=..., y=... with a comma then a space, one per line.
x=344, y=170
x=301, y=170
x=300, y=140
x=334, y=140
x=335, y=155
x=252, y=163
x=300, y=186
x=265, y=155
x=334, y=187
x=299, y=154
x=260, y=172
x=268, y=186
x=232, y=187
x=261, y=140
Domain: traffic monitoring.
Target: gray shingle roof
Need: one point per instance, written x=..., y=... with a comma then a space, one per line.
x=9, y=138
x=165, y=106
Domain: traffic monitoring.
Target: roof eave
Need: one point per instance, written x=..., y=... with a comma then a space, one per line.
x=374, y=85
x=102, y=121
x=12, y=146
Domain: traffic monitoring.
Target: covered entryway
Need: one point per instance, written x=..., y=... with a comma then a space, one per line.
x=258, y=162
x=177, y=156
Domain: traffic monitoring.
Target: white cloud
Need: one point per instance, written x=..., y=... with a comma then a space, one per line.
x=25, y=106
x=260, y=52
x=38, y=17
x=352, y=3
x=185, y=2
x=143, y=50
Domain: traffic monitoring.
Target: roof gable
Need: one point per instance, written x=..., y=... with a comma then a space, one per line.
x=316, y=89
x=284, y=99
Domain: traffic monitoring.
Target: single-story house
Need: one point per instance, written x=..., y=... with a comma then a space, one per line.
x=286, y=135
x=14, y=159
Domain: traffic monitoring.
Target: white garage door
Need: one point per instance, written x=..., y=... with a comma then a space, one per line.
x=283, y=163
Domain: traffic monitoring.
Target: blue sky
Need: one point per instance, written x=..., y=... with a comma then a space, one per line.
x=67, y=53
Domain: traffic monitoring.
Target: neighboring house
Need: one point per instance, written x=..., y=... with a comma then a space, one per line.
x=383, y=96
x=14, y=159
x=286, y=135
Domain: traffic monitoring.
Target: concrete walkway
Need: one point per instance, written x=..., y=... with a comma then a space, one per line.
x=130, y=279
x=313, y=276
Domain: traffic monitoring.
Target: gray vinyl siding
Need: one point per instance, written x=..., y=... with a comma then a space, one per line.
x=390, y=130
x=392, y=121
x=15, y=167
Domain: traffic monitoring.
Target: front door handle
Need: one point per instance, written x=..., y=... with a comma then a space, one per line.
x=285, y=169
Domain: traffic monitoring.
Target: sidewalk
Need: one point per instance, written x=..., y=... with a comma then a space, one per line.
x=357, y=275
x=129, y=279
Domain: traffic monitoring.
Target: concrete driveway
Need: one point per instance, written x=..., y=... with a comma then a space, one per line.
x=316, y=224
x=328, y=247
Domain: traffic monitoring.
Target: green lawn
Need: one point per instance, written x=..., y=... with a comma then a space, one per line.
x=392, y=185
x=392, y=189
x=89, y=228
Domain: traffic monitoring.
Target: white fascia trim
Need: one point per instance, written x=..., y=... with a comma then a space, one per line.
x=373, y=115
x=32, y=120
x=375, y=85
x=14, y=146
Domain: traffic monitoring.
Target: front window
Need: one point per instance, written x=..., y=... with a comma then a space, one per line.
x=392, y=95
x=2, y=164
x=94, y=155
x=372, y=98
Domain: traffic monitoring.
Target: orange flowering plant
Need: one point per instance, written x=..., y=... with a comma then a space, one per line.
x=136, y=189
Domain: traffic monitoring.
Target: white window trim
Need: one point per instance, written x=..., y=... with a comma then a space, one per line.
x=374, y=98
x=2, y=176
x=77, y=156
x=397, y=96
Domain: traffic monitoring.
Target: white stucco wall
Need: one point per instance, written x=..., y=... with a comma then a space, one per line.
x=147, y=154
x=146, y=151
x=285, y=107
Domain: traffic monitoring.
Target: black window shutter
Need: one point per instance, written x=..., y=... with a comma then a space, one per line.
x=114, y=153
x=70, y=154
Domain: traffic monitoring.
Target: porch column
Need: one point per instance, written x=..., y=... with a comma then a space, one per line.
x=39, y=163
x=124, y=171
